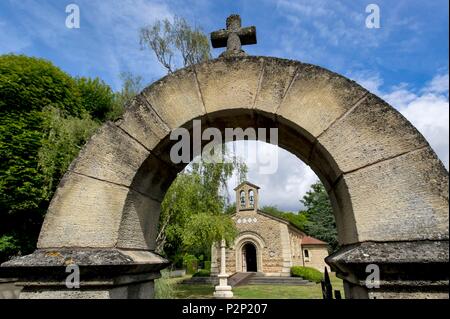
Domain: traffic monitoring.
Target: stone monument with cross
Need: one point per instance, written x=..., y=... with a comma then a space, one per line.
x=233, y=37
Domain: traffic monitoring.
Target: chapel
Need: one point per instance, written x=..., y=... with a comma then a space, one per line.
x=266, y=244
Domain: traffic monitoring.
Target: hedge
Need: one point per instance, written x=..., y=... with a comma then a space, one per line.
x=307, y=273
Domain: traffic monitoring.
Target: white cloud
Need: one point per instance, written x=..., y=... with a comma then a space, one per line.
x=399, y=96
x=439, y=85
x=429, y=113
x=427, y=110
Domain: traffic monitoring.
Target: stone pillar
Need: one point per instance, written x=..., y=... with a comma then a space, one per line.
x=108, y=273
x=407, y=270
x=223, y=290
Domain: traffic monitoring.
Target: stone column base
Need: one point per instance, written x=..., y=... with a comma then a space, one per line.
x=103, y=273
x=223, y=290
x=407, y=270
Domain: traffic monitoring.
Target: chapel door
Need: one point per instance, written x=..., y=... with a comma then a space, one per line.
x=249, y=258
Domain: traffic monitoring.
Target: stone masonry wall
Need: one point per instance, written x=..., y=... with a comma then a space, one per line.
x=317, y=255
x=269, y=230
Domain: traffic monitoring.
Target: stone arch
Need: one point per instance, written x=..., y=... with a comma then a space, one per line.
x=257, y=241
x=386, y=184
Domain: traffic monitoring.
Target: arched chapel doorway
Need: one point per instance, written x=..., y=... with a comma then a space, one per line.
x=249, y=258
x=388, y=189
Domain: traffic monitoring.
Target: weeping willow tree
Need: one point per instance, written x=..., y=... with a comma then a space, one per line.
x=192, y=212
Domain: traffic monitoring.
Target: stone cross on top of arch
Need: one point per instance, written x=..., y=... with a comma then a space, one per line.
x=233, y=37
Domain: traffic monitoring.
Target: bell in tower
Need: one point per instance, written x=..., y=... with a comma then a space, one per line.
x=246, y=196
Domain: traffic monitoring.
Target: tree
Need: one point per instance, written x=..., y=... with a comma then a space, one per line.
x=97, y=98
x=319, y=213
x=45, y=118
x=64, y=136
x=30, y=84
x=192, y=212
x=176, y=43
x=27, y=87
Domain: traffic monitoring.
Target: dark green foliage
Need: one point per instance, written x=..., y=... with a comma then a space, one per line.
x=27, y=87
x=8, y=246
x=96, y=96
x=202, y=273
x=319, y=213
x=45, y=118
x=307, y=273
x=21, y=185
x=207, y=265
x=30, y=84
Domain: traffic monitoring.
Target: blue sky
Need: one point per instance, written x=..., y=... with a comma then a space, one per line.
x=405, y=61
x=411, y=45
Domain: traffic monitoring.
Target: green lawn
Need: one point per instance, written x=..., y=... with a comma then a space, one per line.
x=313, y=291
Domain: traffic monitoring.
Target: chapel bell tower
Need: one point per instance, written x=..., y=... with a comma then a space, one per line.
x=246, y=197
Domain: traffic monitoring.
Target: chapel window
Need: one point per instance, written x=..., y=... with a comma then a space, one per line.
x=306, y=253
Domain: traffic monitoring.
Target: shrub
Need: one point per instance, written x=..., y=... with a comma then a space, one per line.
x=202, y=273
x=307, y=273
x=97, y=98
x=27, y=86
x=8, y=246
x=207, y=265
x=44, y=121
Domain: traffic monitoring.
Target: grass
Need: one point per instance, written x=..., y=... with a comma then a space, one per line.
x=194, y=291
x=313, y=291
